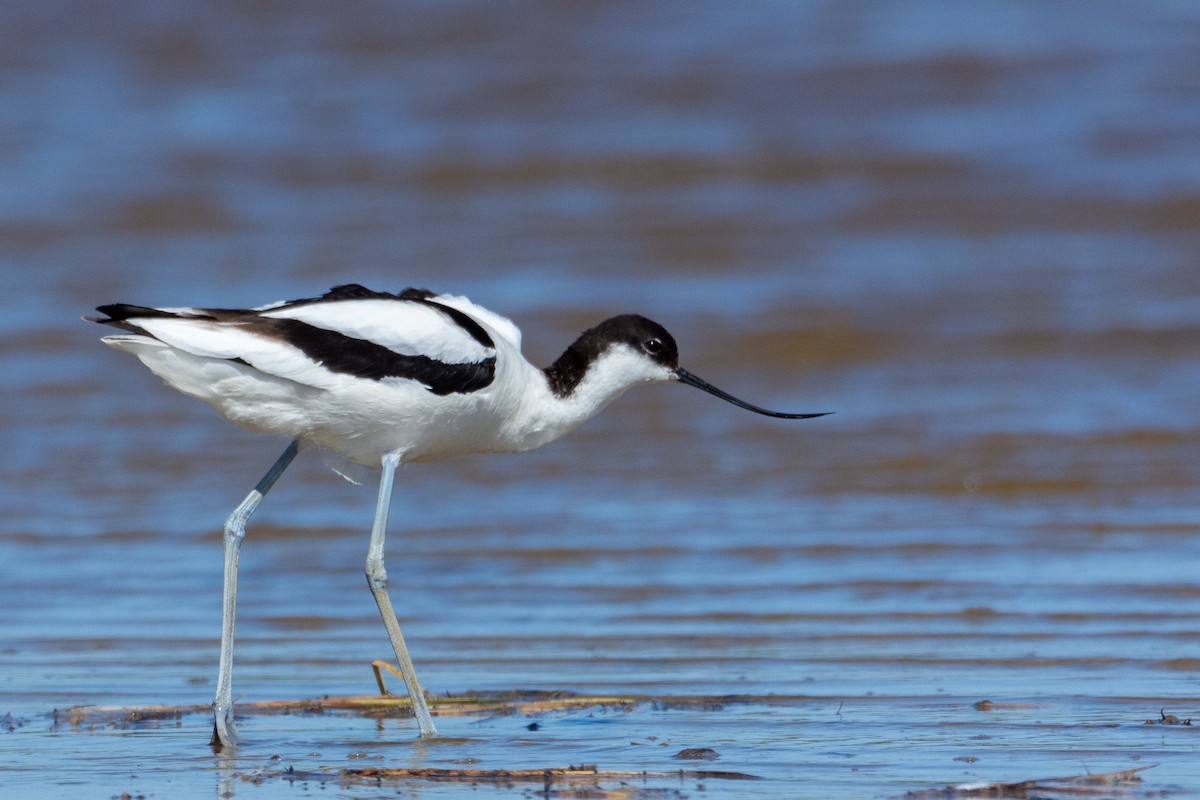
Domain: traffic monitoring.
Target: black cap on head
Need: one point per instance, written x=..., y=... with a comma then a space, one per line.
x=633, y=330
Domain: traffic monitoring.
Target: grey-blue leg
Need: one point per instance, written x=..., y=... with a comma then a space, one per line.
x=378, y=581
x=224, y=733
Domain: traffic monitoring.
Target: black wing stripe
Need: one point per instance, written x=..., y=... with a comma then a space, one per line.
x=360, y=358
x=354, y=291
x=466, y=322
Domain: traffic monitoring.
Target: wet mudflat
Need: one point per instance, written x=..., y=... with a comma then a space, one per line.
x=973, y=235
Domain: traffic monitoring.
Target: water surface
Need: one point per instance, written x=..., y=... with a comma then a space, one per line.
x=972, y=233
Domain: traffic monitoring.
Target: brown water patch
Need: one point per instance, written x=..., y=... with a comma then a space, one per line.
x=1181, y=664
x=302, y=623
x=1005, y=465
x=45, y=340
x=635, y=172
x=1179, y=213
x=1175, y=342
x=825, y=339
x=981, y=215
x=986, y=214
x=268, y=531
x=954, y=78
x=178, y=213
x=535, y=558
x=17, y=235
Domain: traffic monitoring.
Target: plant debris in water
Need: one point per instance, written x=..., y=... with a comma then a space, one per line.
x=698, y=754
x=1168, y=719
x=588, y=774
x=1097, y=785
x=511, y=703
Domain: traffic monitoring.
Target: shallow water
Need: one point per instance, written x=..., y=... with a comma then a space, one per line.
x=971, y=233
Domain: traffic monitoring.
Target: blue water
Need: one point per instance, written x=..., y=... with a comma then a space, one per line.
x=970, y=231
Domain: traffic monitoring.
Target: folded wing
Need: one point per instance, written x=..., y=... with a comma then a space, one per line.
x=350, y=332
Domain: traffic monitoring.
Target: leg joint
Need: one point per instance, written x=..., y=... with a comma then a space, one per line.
x=376, y=573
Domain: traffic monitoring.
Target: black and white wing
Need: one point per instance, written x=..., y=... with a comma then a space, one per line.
x=349, y=333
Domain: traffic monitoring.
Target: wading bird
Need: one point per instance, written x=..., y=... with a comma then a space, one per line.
x=383, y=379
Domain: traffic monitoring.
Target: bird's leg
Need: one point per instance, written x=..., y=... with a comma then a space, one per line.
x=377, y=580
x=224, y=733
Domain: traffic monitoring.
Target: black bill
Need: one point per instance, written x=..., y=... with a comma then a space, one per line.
x=691, y=380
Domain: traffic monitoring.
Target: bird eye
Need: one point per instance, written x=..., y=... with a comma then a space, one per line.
x=653, y=345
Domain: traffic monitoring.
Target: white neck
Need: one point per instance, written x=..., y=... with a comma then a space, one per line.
x=541, y=416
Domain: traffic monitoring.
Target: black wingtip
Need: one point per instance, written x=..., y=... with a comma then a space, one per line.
x=119, y=312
